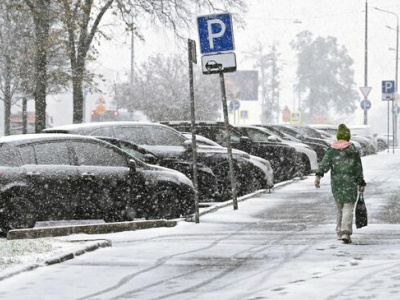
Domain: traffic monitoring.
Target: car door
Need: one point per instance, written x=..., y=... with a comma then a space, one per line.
x=49, y=170
x=107, y=182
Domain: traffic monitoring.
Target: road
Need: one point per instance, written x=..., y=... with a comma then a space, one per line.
x=275, y=246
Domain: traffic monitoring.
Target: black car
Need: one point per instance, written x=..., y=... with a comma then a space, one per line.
x=67, y=177
x=169, y=144
x=207, y=179
x=318, y=145
x=282, y=157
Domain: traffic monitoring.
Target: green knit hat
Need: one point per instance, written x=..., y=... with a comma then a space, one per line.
x=343, y=133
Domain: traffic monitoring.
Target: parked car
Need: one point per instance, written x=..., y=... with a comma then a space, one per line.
x=365, y=132
x=281, y=157
x=307, y=156
x=67, y=177
x=206, y=178
x=363, y=146
x=318, y=145
x=168, y=144
x=261, y=180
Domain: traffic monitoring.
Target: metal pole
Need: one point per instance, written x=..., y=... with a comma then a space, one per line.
x=366, y=61
x=388, y=124
x=24, y=116
x=192, y=44
x=397, y=73
x=228, y=140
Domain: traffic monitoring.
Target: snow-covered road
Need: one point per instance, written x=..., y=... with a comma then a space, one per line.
x=275, y=246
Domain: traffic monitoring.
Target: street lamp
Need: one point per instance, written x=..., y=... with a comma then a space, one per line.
x=394, y=115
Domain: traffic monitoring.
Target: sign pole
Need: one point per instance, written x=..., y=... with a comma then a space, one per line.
x=228, y=140
x=192, y=58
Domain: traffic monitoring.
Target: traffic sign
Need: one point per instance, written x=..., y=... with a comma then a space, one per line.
x=396, y=109
x=216, y=63
x=365, y=104
x=388, y=90
x=365, y=90
x=295, y=117
x=215, y=33
x=100, y=109
x=234, y=105
x=244, y=114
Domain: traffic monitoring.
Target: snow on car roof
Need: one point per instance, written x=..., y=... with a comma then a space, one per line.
x=98, y=124
x=22, y=138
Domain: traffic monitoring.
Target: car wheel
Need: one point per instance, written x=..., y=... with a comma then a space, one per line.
x=18, y=213
x=221, y=172
x=163, y=205
x=381, y=146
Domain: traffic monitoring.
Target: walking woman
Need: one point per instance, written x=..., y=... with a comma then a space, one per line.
x=343, y=159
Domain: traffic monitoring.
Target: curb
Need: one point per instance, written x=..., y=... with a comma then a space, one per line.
x=34, y=233
x=216, y=207
x=59, y=259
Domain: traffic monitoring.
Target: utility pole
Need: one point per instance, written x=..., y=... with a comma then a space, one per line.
x=366, y=60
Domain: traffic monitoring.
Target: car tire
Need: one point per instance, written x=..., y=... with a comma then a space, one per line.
x=18, y=213
x=221, y=172
x=164, y=205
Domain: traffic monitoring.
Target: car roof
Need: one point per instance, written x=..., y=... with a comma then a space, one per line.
x=35, y=137
x=72, y=127
x=189, y=122
x=323, y=126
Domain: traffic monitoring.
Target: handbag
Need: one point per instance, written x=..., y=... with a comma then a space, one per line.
x=361, y=212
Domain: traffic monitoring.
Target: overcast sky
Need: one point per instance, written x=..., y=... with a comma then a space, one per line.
x=272, y=21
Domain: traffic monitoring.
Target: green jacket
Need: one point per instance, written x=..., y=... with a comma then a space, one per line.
x=346, y=172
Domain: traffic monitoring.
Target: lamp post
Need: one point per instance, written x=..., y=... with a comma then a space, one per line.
x=394, y=114
x=397, y=68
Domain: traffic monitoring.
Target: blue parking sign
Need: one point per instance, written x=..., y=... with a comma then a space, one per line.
x=388, y=87
x=215, y=33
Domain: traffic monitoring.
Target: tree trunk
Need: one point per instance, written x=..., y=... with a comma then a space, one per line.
x=7, y=104
x=42, y=29
x=77, y=79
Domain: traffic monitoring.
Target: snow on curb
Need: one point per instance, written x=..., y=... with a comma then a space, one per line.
x=216, y=207
x=76, y=251
x=33, y=233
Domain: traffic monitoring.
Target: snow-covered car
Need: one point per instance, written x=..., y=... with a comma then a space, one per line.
x=306, y=157
x=206, y=178
x=364, y=146
x=168, y=143
x=265, y=181
x=281, y=156
x=289, y=134
x=379, y=141
x=68, y=177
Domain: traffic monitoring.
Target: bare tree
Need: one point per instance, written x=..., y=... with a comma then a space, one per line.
x=267, y=63
x=162, y=92
x=82, y=20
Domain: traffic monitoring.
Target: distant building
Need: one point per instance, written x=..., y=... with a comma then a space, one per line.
x=16, y=122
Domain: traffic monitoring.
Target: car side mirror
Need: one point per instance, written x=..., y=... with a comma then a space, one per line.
x=244, y=140
x=272, y=139
x=132, y=165
x=188, y=145
x=150, y=158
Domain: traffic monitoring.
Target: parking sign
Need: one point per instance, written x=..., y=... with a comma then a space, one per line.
x=215, y=33
x=388, y=90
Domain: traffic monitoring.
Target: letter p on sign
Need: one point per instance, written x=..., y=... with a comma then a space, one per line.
x=215, y=33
